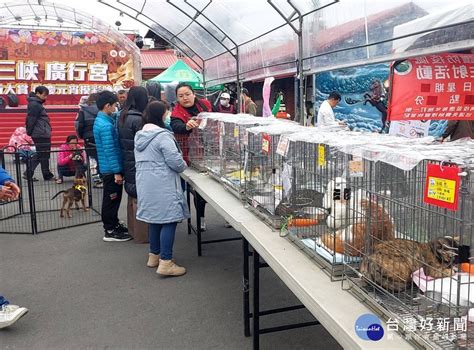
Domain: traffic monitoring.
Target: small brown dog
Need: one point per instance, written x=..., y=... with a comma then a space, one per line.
x=73, y=195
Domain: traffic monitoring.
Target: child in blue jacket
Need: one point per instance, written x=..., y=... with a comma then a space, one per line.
x=110, y=166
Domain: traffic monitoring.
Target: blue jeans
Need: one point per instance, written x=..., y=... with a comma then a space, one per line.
x=3, y=301
x=162, y=239
x=65, y=170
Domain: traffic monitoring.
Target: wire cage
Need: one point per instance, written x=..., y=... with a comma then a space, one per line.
x=264, y=166
x=411, y=230
x=232, y=175
x=39, y=207
x=202, y=148
x=316, y=192
x=192, y=146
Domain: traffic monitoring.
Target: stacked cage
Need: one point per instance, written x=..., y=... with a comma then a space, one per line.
x=264, y=166
x=234, y=150
x=202, y=147
x=316, y=195
x=411, y=229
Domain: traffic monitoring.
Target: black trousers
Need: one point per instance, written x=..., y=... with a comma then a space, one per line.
x=112, y=197
x=43, y=149
x=91, y=150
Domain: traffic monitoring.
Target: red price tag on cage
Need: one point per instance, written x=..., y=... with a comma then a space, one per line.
x=266, y=143
x=442, y=186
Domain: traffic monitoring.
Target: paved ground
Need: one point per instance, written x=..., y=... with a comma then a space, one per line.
x=85, y=293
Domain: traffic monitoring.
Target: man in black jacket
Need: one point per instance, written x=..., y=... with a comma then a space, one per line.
x=84, y=125
x=39, y=128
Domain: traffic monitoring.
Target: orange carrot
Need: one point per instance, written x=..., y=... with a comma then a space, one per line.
x=302, y=222
x=466, y=267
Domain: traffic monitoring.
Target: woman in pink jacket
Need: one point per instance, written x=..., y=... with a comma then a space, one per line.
x=71, y=160
x=21, y=143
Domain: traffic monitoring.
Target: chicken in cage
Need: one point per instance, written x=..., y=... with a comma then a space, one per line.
x=263, y=166
x=422, y=270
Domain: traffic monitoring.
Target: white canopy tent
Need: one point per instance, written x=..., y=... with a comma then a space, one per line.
x=241, y=40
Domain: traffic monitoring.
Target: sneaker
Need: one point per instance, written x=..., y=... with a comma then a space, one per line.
x=203, y=224
x=9, y=314
x=169, y=268
x=116, y=236
x=121, y=228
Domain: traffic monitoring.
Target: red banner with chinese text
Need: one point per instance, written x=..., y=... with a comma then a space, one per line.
x=433, y=87
x=69, y=64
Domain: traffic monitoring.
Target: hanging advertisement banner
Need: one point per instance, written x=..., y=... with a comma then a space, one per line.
x=67, y=63
x=433, y=87
x=267, y=111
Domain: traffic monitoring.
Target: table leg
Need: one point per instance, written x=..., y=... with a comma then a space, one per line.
x=246, y=292
x=256, y=300
x=198, y=229
x=188, y=199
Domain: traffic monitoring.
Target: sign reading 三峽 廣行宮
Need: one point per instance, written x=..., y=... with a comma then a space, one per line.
x=433, y=87
x=67, y=63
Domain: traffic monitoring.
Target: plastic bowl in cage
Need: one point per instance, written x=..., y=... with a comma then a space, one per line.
x=301, y=202
x=315, y=212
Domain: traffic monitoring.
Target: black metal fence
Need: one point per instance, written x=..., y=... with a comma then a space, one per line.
x=36, y=210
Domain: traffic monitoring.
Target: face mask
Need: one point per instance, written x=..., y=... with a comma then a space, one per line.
x=225, y=103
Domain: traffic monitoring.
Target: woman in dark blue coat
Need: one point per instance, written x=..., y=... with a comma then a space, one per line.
x=129, y=123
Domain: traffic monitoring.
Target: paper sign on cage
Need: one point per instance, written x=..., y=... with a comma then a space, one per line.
x=283, y=145
x=442, y=186
x=321, y=156
x=266, y=143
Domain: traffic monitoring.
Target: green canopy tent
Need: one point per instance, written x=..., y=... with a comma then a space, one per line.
x=181, y=72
